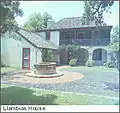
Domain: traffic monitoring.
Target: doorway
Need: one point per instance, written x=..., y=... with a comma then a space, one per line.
x=26, y=58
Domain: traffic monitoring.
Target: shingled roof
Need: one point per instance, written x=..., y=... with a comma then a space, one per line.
x=36, y=40
x=73, y=22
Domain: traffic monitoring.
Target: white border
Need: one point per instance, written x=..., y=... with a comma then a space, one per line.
x=55, y=108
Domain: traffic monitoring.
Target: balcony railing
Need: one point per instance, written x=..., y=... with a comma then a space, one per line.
x=86, y=42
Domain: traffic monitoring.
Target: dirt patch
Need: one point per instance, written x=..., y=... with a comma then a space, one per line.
x=20, y=77
x=67, y=77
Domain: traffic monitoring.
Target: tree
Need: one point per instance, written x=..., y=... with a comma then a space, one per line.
x=37, y=22
x=73, y=50
x=93, y=11
x=8, y=11
x=115, y=34
x=114, y=45
x=46, y=18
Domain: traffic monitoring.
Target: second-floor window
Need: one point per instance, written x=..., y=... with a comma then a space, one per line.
x=95, y=33
x=67, y=35
x=48, y=35
x=80, y=35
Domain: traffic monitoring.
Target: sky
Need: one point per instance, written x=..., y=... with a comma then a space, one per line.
x=63, y=9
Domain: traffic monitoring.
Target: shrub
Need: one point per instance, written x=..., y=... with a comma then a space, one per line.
x=109, y=64
x=73, y=62
x=90, y=63
x=3, y=65
x=47, y=55
x=73, y=50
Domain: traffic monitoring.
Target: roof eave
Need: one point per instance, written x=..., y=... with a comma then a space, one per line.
x=33, y=43
x=71, y=28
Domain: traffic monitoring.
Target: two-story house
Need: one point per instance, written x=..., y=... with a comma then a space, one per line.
x=92, y=39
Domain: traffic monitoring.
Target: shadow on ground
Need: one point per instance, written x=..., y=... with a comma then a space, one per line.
x=112, y=86
x=23, y=96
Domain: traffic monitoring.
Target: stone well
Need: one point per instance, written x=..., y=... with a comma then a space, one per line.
x=45, y=68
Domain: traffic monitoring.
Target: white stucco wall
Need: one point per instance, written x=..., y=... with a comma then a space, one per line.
x=92, y=48
x=57, y=58
x=43, y=35
x=38, y=54
x=105, y=56
x=54, y=37
x=11, y=52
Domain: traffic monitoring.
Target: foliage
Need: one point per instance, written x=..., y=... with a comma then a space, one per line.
x=93, y=11
x=115, y=34
x=62, y=48
x=114, y=45
x=47, y=55
x=73, y=62
x=37, y=22
x=73, y=50
x=8, y=11
x=90, y=63
x=109, y=64
x=46, y=18
x=2, y=65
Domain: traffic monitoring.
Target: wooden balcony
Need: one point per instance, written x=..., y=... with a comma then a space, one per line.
x=86, y=42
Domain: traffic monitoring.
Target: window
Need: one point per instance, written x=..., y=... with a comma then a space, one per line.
x=47, y=35
x=104, y=33
x=95, y=33
x=67, y=35
x=80, y=35
x=88, y=34
x=97, y=54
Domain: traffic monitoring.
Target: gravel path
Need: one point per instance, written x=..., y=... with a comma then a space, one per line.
x=98, y=83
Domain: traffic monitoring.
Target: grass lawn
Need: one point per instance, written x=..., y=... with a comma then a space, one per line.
x=6, y=69
x=12, y=95
x=84, y=68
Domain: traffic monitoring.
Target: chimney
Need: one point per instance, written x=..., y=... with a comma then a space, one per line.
x=49, y=23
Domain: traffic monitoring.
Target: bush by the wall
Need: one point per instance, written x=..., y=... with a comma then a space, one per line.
x=73, y=62
x=47, y=55
x=73, y=51
x=90, y=63
x=3, y=65
x=109, y=64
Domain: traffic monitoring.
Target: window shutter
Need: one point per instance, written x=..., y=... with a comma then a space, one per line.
x=48, y=35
